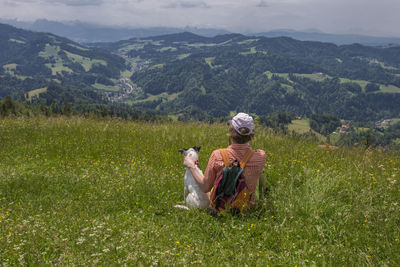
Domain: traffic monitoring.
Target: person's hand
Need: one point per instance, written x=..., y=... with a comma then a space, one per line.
x=189, y=162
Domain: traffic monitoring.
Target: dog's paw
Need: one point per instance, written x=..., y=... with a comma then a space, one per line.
x=182, y=207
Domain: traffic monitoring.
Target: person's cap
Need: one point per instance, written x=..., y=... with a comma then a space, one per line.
x=242, y=120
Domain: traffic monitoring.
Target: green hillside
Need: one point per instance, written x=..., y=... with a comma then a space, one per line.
x=31, y=61
x=77, y=191
x=263, y=75
x=203, y=77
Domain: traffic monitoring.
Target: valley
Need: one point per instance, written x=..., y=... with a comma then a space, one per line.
x=207, y=76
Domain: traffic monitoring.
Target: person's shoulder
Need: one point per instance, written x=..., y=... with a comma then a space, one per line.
x=216, y=153
x=259, y=153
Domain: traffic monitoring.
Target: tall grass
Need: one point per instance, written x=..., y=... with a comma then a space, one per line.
x=84, y=192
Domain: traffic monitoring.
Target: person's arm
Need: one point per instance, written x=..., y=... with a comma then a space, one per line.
x=197, y=175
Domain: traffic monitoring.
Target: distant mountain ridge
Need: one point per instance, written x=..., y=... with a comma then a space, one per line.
x=91, y=33
x=339, y=39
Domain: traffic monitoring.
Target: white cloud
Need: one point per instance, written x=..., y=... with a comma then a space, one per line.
x=187, y=4
x=60, y=2
x=81, y=2
x=373, y=17
x=263, y=3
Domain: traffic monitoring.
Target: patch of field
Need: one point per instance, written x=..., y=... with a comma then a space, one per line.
x=248, y=41
x=10, y=68
x=79, y=47
x=395, y=121
x=389, y=89
x=226, y=42
x=201, y=45
x=126, y=74
x=164, y=96
x=252, y=51
x=50, y=51
x=167, y=48
x=203, y=90
x=35, y=93
x=313, y=76
x=21, y=77
x=317, y=77
x=303, y=126
x=173, y=117
x=362, y=83
x=283, y=75
x=182, y=56
x=361, y=129
x=382, y=64
x=270, y=74
x=86, y=62
x=58, y=68
x=300, y=126
x=209, y=61
x=125, y=49
x=157, y=66
x=16, y=41
x=383, y=88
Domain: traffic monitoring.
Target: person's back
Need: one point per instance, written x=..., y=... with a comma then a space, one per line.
x=251, y=172
x=241, y=132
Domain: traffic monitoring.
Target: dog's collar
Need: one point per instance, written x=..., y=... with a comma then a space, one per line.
x=196, y=162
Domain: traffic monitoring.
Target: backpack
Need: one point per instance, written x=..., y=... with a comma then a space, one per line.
x=230, y=191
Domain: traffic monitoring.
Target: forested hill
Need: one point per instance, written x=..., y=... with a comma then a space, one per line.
x=213, y=76
x=200, y=76
x=32, y=61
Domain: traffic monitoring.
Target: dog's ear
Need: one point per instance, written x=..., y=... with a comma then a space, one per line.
x=182, y=150
x=197, y=148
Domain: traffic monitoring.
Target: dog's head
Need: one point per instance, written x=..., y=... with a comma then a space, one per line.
x=190, y=151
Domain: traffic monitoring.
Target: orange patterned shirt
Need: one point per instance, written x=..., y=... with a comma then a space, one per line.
x=252, y=171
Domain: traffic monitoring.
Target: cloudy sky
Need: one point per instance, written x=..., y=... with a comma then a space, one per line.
x=373, y=17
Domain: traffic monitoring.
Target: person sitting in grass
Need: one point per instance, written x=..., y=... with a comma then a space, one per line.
x=241, y=132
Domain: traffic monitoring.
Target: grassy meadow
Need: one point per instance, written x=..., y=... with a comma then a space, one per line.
x=77, y=191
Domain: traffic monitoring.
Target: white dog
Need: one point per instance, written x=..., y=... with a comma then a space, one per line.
x=193, y=195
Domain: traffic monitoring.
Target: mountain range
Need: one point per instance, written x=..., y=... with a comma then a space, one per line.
x=83, y=32
x=192, y=75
